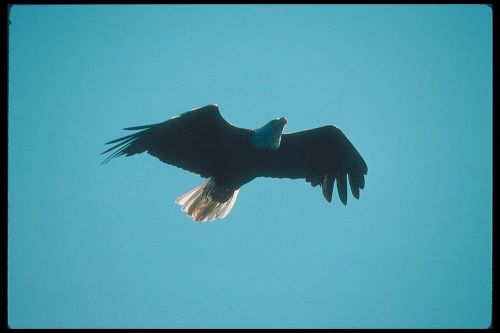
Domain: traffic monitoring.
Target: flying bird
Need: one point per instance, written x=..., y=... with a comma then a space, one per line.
x=203, y=142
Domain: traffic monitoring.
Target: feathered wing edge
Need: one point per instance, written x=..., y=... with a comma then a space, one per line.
x=353, y=170
x=356, y=182
x=124, y=143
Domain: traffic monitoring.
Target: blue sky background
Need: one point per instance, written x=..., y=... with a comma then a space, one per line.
x=106, y=246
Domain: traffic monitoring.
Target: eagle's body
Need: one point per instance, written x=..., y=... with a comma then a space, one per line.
x=201, y=141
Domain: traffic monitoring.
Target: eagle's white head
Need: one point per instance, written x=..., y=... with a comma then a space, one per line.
x=269, y=135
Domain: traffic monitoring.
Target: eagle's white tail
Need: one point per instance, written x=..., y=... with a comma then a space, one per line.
x=199, y=204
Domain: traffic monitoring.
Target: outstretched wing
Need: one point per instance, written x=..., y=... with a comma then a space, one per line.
x=321, y=156
x=199, y=141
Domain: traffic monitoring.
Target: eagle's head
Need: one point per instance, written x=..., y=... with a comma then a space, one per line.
x=269, y=135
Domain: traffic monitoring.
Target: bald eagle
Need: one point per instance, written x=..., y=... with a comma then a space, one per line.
x=203, y=142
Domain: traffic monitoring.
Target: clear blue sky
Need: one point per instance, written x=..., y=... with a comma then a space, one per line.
x=106, y=246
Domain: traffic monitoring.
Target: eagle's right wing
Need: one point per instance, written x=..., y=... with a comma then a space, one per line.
x=197, y=141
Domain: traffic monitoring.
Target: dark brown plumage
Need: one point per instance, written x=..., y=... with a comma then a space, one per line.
x=201, y=141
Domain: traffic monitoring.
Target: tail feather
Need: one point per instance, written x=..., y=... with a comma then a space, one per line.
x=199, y=204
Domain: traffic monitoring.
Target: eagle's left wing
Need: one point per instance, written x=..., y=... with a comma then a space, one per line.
x=320, y=156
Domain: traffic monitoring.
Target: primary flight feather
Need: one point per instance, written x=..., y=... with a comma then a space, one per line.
x=201, y=141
